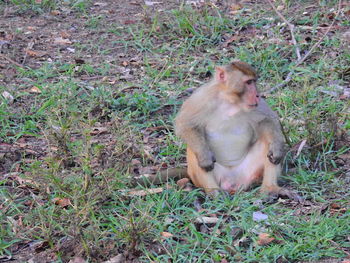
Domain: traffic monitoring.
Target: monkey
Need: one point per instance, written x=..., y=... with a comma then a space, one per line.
x=233, y=137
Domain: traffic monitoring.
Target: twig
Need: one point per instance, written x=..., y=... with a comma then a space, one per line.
x=291, y=29
x=321, y=39
x=12, y=61
x=307, y=54
x=29, y=46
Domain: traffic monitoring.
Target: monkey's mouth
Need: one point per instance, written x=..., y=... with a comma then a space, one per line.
x=253, y=105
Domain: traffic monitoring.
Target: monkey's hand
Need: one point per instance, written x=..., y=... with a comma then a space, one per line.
x=206, y=160
x=276, y=152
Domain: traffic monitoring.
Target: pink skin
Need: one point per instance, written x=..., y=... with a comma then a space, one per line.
x=252, y=96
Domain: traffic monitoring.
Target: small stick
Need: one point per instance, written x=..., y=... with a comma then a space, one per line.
x=291, y=29
x=301, y=60
x=12, y=61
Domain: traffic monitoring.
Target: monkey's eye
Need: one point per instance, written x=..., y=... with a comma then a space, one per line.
x=250, y=81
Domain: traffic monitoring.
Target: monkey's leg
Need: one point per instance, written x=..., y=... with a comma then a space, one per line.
x=269, y=183
x=199, y=176
x=271, y=173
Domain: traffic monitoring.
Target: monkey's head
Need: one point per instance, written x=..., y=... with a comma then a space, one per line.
x=238, y=82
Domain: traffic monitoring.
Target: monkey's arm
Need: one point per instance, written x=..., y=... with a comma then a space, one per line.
x=270, y=128
x=196, y=140
x=190, y=126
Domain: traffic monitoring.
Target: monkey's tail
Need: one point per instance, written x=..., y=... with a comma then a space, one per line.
x=160, y=177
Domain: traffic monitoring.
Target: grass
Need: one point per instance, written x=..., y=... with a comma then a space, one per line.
x=88, y=127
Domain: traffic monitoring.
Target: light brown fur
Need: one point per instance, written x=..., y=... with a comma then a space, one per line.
x=211, y=121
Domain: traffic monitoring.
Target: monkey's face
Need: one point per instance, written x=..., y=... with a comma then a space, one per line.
x=250, y=97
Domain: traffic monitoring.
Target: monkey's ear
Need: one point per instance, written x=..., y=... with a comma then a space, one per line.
x=220, y=74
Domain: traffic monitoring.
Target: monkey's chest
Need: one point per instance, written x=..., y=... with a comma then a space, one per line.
x=230, y=140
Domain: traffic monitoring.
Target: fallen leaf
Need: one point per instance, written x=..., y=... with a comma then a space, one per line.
x=166, y=234
x=77, y=259
x=117, y=259
x=99, y=130
x=100, y=4
x=7, y=96
x=64, y=34
x=280, y=7
x=265, y=239
x=182, y=182
x=34, y=53
x=144, y=192
x=55, y=13
x=236, y=7
x=32, y=28
x=34, y=89
x=129, y=22
x=136, y=162
x=259, y=216
x=300, y=148
x=207, y=220
x=22, y=181
x=230, y=40
x=150, y=3
x=62, y=202
x=62, y=41
x=335, y=206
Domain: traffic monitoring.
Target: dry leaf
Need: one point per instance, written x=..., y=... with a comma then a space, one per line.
x=62, y=41
x=77, y=259
x=236, y=7
x=149, y=3
x=166, y=234
x=62, y=202
x=207, y=220
x=130, y=22
x=265, y=239
x=34, y=89
x=55, y=13
x=99, y=130
x=100, y=4
x=32, y=28
x=280, y=7
x=145, y=192
x=335, y=206
x=230, y=40
x=117, y=259
x=300, y=148
x=34, y=53
x=7, y=96
x=16, y=176
x=182, y=182
x=64, y=34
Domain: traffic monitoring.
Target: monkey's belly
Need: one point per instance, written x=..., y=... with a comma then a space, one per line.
x=231, y=148
x=243, y=175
